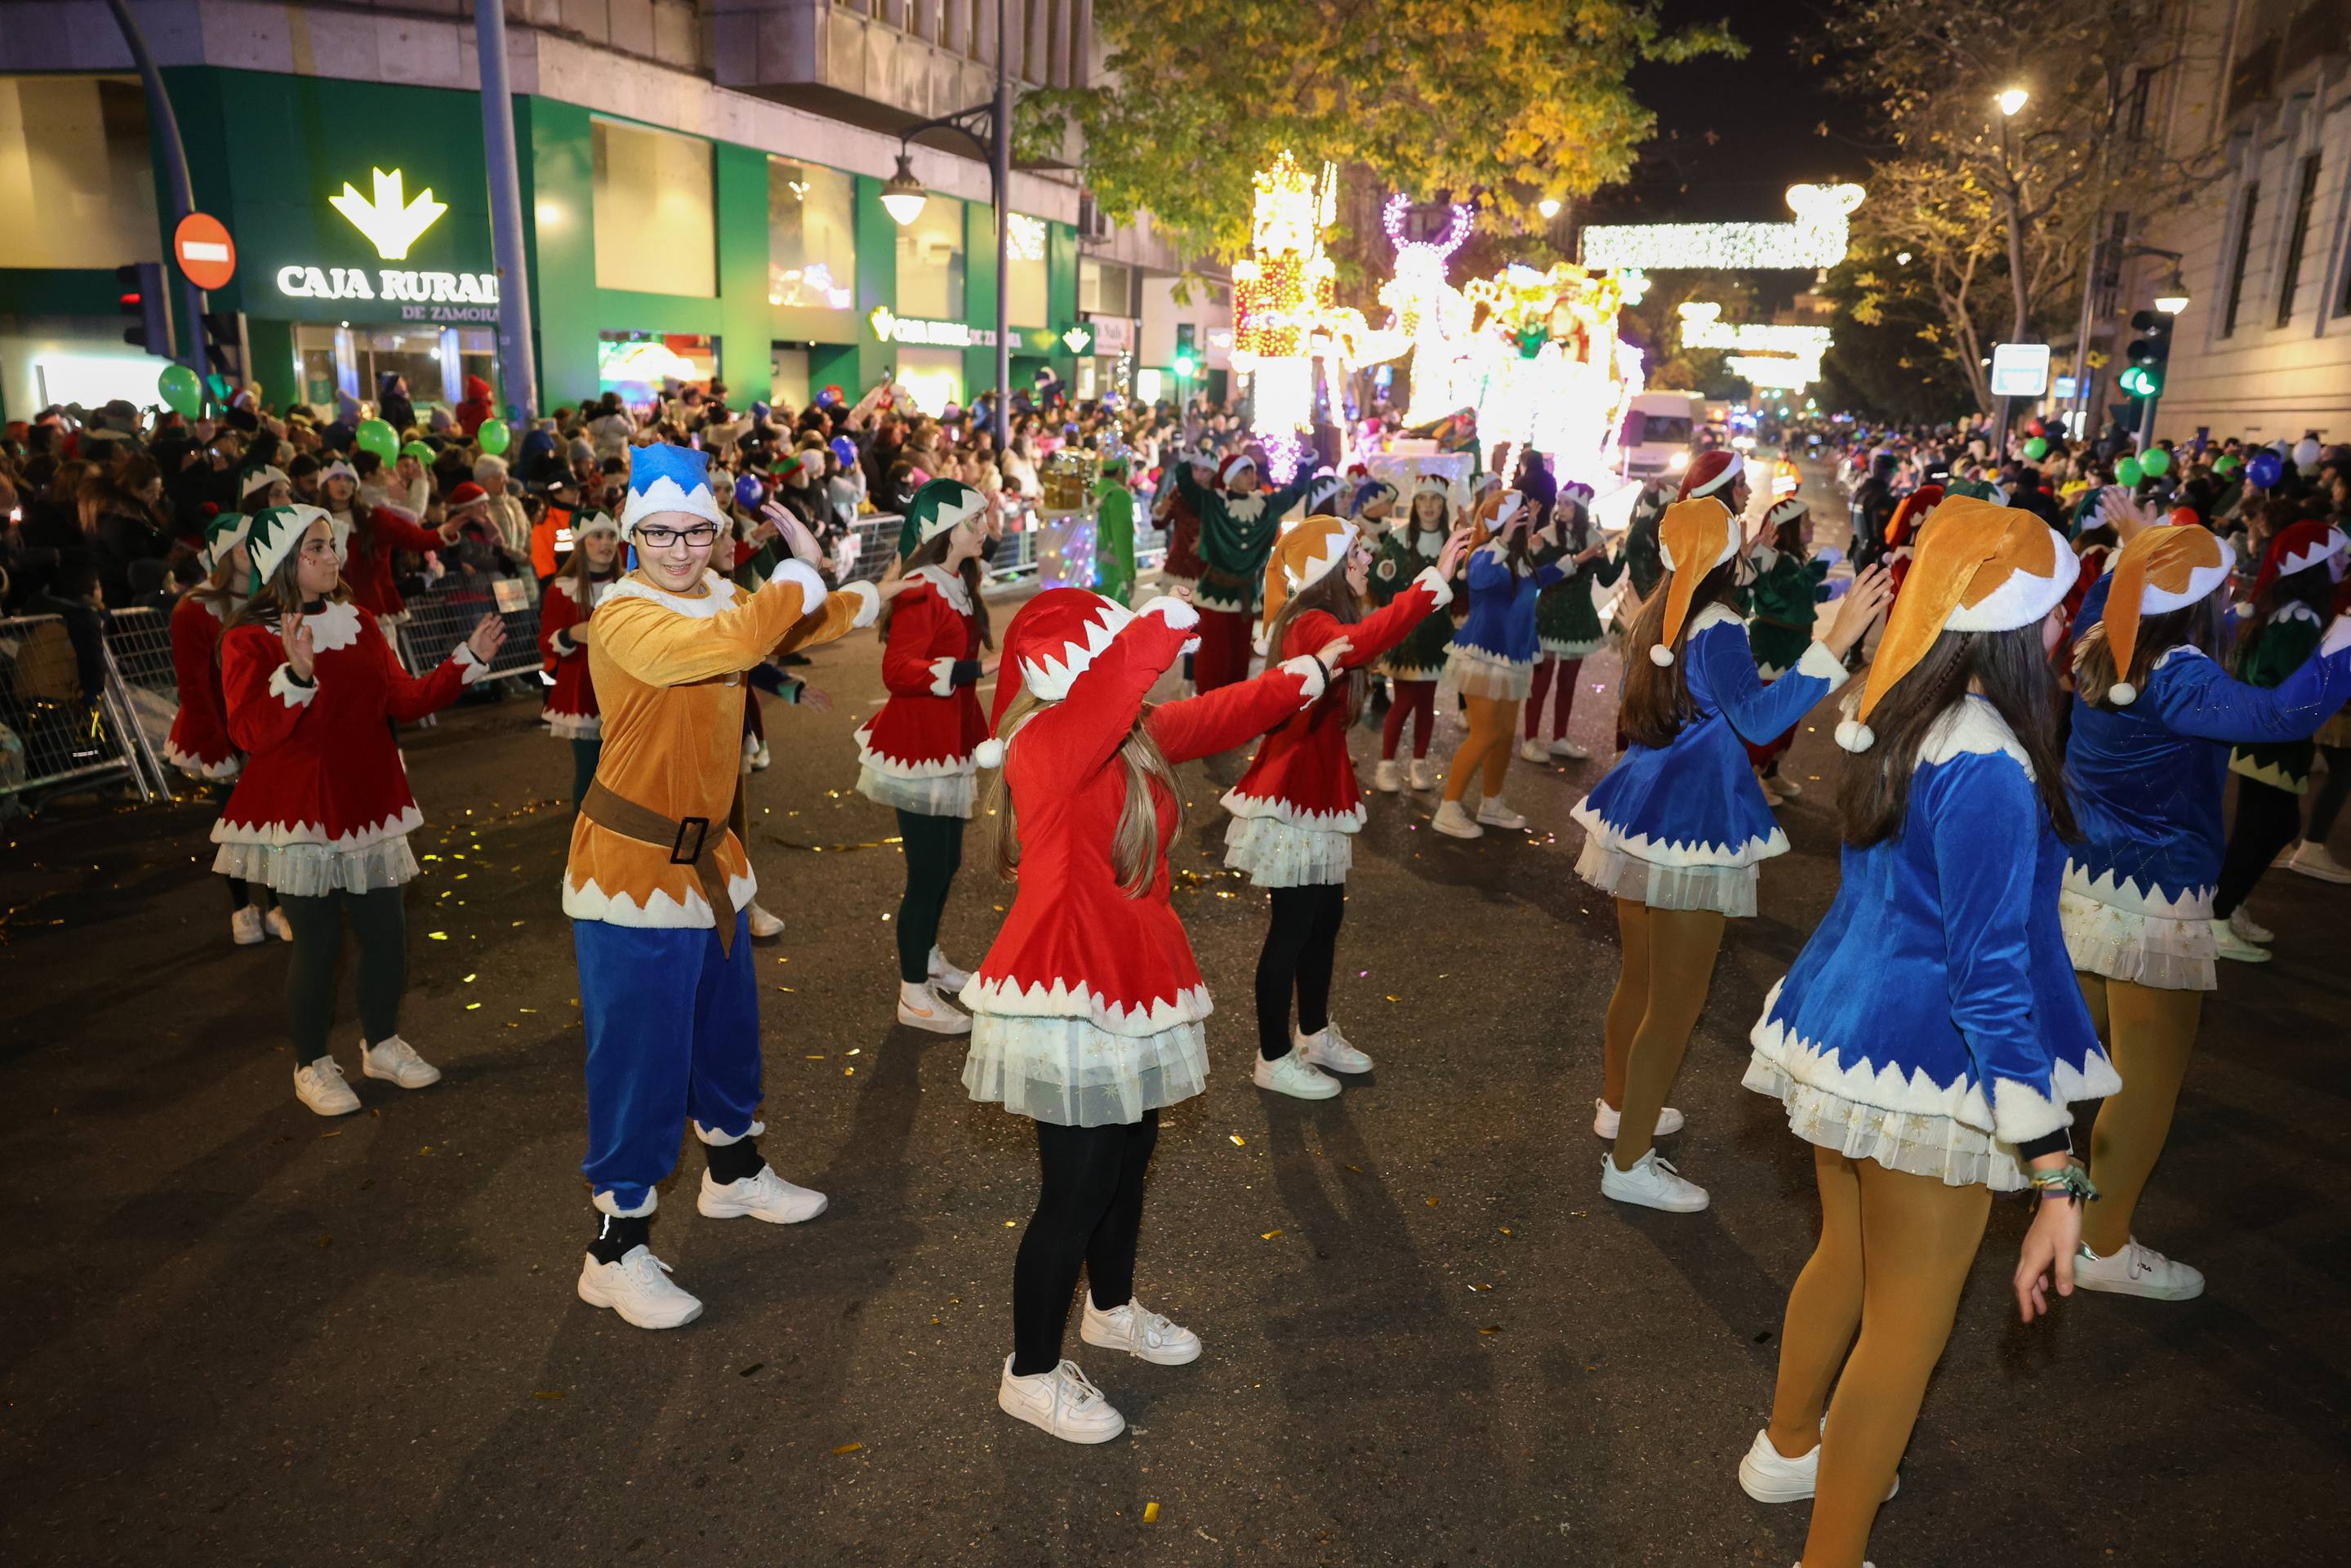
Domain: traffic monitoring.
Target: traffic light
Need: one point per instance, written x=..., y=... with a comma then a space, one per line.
x=1186, y=364
x=2149, y=352
x=224, y=338
x=141, y=296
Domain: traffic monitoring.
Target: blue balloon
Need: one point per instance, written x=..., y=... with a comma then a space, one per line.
x=749, y=492
x=2266, y=470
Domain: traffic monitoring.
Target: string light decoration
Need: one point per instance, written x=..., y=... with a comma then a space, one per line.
x=1024, y=237
x=1818, y=238
x=1765, y=355
x=1284, y=296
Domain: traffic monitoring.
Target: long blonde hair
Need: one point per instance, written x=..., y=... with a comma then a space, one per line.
x=1134, y=848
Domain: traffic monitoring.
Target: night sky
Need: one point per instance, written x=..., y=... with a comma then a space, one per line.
x=1764, y=113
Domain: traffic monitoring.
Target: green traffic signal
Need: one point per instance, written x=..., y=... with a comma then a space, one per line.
x=2140, y=381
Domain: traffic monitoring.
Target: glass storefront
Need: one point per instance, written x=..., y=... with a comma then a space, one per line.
x=934, y=377
x=354, y=360
x=811, y=236
x=634, y=364
x=931, y=263
x=788, y=376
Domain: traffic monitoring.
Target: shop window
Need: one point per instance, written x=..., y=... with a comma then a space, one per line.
x=931, y=263
x=1105, y=287
x=787, y=377
x=1027, y=271
x=811, y=236
x=75, y=173
x=636, y=364
x=933, y=376
x=655, y=228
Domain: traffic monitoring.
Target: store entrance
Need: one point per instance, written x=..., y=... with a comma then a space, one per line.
x=353, y=359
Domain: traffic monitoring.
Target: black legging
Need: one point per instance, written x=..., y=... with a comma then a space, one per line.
x=240, y=892
x=2327, y=802
x=1089, y=1211
x=1301, y=943
x=382, y=926
x=933, y=848
x=2268, y=818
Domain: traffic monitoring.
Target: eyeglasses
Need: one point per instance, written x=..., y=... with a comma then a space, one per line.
x=662, y=539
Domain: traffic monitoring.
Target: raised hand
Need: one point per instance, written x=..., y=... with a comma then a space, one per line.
x=1457, y=545
x=488, y=635
x=1861, y=606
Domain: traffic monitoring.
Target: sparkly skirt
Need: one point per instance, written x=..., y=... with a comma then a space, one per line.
x=2158, y=951
x=933, y=795
x=1275, y=853
x=313, y=871
x=1073, y=1073
x=1729, y=889
x=1475, y=673
x=1920, y=1145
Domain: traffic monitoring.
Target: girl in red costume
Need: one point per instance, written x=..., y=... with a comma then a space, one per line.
x=1296, y=811
x=570, y=598
x=1087, y=1013
x=321, y=812
x=372, y=535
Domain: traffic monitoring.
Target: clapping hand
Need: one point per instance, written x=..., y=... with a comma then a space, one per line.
x=797, y=539
x=295, y=633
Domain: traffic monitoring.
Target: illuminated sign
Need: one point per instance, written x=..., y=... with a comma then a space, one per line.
x=1077, y=339
x=392, y=220
x=421, y=295
x=892, y=327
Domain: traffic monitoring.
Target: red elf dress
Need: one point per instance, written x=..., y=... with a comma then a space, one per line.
x=915, y=755
x=572, y=712
x=199, y=745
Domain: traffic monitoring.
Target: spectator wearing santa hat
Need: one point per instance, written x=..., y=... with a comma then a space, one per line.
x=1088, y=1011
x=1677, y=830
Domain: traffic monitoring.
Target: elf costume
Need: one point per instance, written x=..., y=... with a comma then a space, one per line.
x=199, y=745
x=1113, y=531
x=1237, y=527
x=570, y=598
x=658, y=882
x=321, y=811
x=1567, y=626
x=915, y=755
x=1417, y=662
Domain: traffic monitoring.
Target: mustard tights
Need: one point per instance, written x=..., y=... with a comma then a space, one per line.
x=1493, y=729
x=1894, y=1252
x=2149, y=1034
x=1669, y=964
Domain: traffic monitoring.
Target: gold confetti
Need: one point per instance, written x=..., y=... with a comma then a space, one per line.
x=1503, y=1229
x=848, y=1448
x=1238, y=1142
x=1010, y=1223
x=546, y=1393
x=1475, y=1288
x=848, y=1072
x=473, y=1006
x=1150, y=1513
x=1431, y=1202
x=1269, y=1235
x=425, y=1150
x=1494, y=1328
x=816, y=1056
x=437, y=936
x=856, y=1051
x=467, y=980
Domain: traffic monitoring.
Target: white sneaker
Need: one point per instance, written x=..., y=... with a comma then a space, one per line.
x=2137, y=1270
x=395, y=1061
x=1769, y=1476
x=2252, y=930
x=762, y=923
x=2227, y=943
x=1454, y=822
x=945, y=976
x=755, y=754
x=1386, y=777
x=1146, y=1335
x=1652, y=1183
x=1532, y=750
x=321, y=1086
x=919, y=1006
x=639, y=1288
x=2313, y=860
x=1330, y=1048
x=1060, y=1402
x=767, y=1197
x=1423, y=774
x=245, y=927
x=279, y=927
x=1606, y=1119
x=1295, y=1076
x=1568, y=751
x=1497, y=813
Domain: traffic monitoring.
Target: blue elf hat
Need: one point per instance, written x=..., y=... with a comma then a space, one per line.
x=665, y=478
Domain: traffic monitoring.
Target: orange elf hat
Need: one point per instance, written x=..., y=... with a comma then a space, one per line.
x=1694, y=536
x=2163, y=570
x=1301, y=559
x=1979, y=568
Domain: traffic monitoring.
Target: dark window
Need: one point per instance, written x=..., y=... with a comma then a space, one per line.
x=2237, y=261
x=2297, y=238
x=2134, y=103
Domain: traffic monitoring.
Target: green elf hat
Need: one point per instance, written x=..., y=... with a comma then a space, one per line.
x=936, y=507
x=221, y=536
x=1981, y=489
x=274, y=535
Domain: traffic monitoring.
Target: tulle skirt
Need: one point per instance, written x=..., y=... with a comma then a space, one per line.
x=1073, y=1073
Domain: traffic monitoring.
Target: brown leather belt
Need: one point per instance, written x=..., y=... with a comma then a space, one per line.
x=687, y=841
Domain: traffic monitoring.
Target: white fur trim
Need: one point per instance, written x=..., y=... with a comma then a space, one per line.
x=949, y=586
x=1172, y=610
x=1050, y=679
x=1308, y=670
x=573, y=726
x=1008, y=998
x=1679, y=852
x=2201, y=581
x=605, y=1205
x=989, y=753
x=1336, y=545
x=335, y=627
x=1246, y=807
x=942, y=678
x=1971, y=727
x=869, y=605
x=1854, y=736
x=802, y=576
x=666, y=494
x=586, y=901
x=2015, y=1114
x=1821, y=665
x=470, y=664
x=718, y=1140
x=1433, y=580
x=2123, y=893
x=291, y=692
x=2023, y=600
x=2121, y=693
x=197, y=767
x=717, y=594
x=1737, y=467
x=1661, y=655
x=2326, y=548
x=901, y=767
x=278, y=835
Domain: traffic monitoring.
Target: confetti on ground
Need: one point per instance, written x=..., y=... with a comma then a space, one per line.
x=848, y=1448
x=1269, y=1235
x=473, y=1006
x=1150, y=1513
x=467, y=980
x=437, y=936
x=1010, y=1223
x=1491, y=1328
x=1238, y=1142
x=856, y=1051
x=1503, y=1229
x=1431, y=1202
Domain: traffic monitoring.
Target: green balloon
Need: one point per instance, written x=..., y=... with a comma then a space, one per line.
x=2129, y=472
x=419, y=451
x=2036, y=449
x=182, y=393
x=493, y=436
x=2226, y=464
x=2155, y=461
x=374, y=435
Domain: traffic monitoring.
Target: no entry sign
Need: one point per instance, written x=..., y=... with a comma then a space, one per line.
x=203, y=250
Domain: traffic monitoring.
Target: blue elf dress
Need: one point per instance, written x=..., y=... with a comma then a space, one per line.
x=2147, y=781
x=1494, y=654
x=1684, y=825
x=1932, y=1023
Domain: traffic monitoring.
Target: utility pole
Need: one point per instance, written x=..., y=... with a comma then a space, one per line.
x=518, y=363
x=1001, y=154
x=175, y=171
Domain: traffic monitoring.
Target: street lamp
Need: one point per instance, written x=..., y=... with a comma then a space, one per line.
x=2171, y=298
x=988, y=126
x=1548, y=208
x=2011, y=100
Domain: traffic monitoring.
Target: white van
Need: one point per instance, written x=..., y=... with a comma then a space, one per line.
x=1659, y=429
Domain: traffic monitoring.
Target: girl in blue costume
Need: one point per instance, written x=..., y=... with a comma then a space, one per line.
x=2154, y=713
x=1675, y=832
x=1492, y=662
x=1929, y=1038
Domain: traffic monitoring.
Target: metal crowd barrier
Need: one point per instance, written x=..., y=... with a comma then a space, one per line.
x=437, y=622
x=55, y=730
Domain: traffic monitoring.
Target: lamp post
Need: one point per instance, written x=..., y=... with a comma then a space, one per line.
x=988, y=127
x=2010, y=102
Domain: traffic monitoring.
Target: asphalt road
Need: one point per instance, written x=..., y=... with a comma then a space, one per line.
x=238, y=1334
